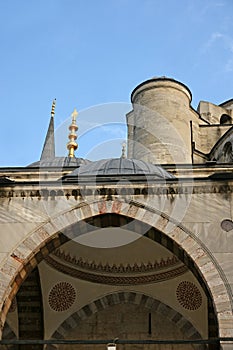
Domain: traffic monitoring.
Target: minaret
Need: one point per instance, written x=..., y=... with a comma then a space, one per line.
x=72, y=145
x=48, y=151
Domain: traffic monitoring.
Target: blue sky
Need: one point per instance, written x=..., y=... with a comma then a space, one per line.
x=89, y=53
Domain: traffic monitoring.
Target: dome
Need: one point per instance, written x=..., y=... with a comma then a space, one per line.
x=161, y=82
x=121, y=166
x=60, y=162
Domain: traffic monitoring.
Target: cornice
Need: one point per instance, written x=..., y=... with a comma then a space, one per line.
x=100, y=267
x=115, y=280
x=215, y=184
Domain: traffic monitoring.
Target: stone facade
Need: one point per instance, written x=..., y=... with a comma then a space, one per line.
x=80, y=250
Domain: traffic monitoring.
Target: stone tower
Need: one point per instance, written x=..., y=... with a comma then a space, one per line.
x=159, y=125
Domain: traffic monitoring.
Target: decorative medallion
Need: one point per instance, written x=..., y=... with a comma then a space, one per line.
x=13, y=305
x=189, y=295
x=62, y=296
x=227, y=225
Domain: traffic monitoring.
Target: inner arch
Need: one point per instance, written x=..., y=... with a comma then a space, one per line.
x=141, y=228
x=150, y=316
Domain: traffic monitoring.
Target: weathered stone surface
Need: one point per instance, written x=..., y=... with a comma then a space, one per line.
x=189, y=217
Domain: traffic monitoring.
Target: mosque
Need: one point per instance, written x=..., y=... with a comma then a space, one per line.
x=135, y=250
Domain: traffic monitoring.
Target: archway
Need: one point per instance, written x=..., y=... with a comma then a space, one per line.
x=108, y=303
x=182, y=242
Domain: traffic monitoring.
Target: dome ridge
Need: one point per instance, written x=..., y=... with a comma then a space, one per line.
x=121, y=166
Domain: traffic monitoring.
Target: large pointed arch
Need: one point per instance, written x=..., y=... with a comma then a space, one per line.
x=186, y=245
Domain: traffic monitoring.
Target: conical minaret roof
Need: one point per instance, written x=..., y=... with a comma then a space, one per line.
x=48, y=151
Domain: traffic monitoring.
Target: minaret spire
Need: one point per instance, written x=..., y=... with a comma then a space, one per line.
x=123, y=150
x=72, y=144
x=48, y=151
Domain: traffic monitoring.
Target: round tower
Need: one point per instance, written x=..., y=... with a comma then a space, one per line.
x=159, y=125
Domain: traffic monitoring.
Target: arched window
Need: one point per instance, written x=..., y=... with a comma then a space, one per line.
x=225, y=119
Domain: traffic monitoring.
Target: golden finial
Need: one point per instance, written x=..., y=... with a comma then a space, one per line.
x=53, y=108
x=72, y=145
x=123, y=150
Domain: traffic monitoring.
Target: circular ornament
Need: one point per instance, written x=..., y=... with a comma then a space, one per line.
x=227, y=225
x=188, y=295
x=62, y=296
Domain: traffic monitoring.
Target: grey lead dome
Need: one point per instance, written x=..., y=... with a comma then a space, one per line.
x=121, y=166
x=60, y=162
